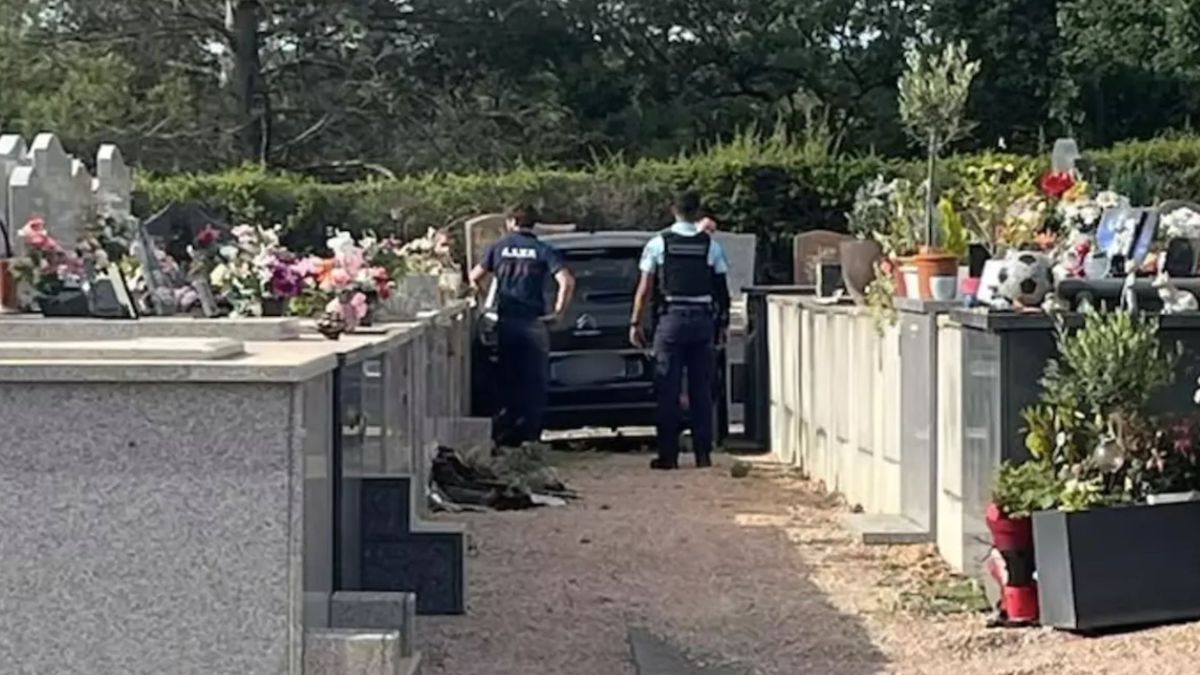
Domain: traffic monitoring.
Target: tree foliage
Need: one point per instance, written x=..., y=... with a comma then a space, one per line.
x=343, y=89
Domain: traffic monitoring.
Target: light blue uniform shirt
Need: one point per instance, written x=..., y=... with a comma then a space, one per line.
x=654, y=254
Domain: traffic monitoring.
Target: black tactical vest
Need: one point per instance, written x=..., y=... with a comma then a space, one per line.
x=685, y=270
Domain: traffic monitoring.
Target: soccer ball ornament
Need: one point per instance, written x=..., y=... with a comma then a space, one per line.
x=1026, y=279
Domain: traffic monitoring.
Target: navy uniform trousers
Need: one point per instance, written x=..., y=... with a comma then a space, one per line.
x=525, y=373
x=684, y=340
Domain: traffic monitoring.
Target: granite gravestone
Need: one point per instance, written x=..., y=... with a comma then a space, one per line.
x=162, y=297
x=810, y=250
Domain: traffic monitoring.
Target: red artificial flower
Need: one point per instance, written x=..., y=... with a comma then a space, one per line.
x=1056, y=183
x=208, y=236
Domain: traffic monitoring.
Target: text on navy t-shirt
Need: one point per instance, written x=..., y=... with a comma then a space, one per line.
x=522, y=265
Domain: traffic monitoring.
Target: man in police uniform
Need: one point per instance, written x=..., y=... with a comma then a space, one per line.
x=522, y=265
x=689, y=267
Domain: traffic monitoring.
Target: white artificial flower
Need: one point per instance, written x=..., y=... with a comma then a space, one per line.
x=1182, y=223
x=1111, y=200
x=220, y=276
x=244, y=234
x=1090, y=214
x=340, y=242
x=229, y=252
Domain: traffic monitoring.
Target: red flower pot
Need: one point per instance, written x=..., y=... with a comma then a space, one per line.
x=1009, y=534
x=1021, y=603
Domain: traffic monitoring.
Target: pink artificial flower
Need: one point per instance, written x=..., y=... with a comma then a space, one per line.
x=351, y=260
x=336, y=280
x=38, y=240
x=359, y=307
x=308, y=267
x=383, y=282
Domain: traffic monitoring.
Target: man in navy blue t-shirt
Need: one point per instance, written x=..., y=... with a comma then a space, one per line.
x=523, y=265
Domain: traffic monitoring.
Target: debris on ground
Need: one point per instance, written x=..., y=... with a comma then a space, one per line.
x=502, y=479
x=740, y=469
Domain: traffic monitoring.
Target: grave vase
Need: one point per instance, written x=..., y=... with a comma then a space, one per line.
x=8, y=289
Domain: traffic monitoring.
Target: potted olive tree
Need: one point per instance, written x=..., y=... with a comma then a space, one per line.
x=934, y=91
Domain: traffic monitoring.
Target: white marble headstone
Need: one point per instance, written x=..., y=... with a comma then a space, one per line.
x=27, y=198
x=113, y=184
x=1065, y=155
x=81, y=195
x=740, y=250
x=44, y=189
x=13, y=154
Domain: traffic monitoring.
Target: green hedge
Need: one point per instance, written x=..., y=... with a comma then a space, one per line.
x=763, y=188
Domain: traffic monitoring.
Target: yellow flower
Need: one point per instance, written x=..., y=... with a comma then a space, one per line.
x=1077, y=192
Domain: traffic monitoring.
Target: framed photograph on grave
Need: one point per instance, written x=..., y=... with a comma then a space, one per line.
x=1144, y=239
x=1117, y=231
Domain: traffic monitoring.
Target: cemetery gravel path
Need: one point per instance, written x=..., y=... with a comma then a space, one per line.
x=754, y=574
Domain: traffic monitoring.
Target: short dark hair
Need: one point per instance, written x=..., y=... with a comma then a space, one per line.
x=687, y=204
x=525, y=215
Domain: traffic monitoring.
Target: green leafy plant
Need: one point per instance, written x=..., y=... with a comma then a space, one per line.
x=872, y=210
x=1090, y=431
x=1022, y=489
x=1114, y=362
x=1081, y=495
x=954, y=233
x=900, y=232
x=881, y=299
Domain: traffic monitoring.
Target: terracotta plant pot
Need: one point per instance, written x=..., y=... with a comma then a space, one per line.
x=8, y=289
x=858, y=258
x=933, y=264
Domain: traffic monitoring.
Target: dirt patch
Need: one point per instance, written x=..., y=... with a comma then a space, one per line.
x=754, y=573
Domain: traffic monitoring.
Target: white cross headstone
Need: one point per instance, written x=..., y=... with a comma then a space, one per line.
x=740, y=252
x=1065, y=155
x=27, y=199
x=113, y=184
x=47, y=185
x=82, y=195
x=13, y=154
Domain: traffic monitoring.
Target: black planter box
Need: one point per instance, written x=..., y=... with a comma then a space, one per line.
x=1116, y=567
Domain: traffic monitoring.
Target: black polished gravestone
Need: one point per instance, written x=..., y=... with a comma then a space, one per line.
x=1005, y=355
x=379, y=544
x=1117, y=567
x=1002, y=357
x=396, y=558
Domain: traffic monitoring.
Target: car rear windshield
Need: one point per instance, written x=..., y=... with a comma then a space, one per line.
x=604, y=276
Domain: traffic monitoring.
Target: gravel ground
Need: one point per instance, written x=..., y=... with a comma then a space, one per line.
x=753, y=573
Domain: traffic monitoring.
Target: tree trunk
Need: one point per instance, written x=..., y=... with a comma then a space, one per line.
x=930, y=197
x=245, y=82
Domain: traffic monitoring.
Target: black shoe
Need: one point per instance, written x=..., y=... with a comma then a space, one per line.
x=660, y=464
x=704, y=461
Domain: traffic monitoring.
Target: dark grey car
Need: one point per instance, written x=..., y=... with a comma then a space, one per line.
x=597, y=379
